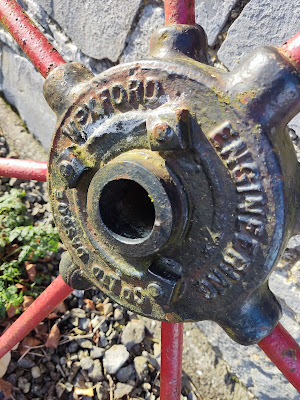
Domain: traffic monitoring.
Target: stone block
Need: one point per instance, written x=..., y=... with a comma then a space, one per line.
x=23, y=88
x=98, y=28
x=269, y=23
x=272, y=22
x=138, y=44
x=212, y=16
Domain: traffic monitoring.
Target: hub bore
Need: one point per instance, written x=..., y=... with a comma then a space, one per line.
x=127, y=209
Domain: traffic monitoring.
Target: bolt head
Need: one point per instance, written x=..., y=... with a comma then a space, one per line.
x=155, y=289
x=66, y=169
x=162, y=132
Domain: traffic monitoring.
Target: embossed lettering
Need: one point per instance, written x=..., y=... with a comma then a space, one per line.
x=235, y=259
x=207, y=289
x=251, y=225
x=126, y=293
x=139, y=297
x=152, y=88
x=111, y=282
x=135, y=91
x=229, y=271
x=105, y=278
x=118, y=94
x=72, y=131
x=245, y=173
x=252, y=204
x=246, y=243
x=67, y=221
x=81, y=116
x=102, y=101
x=251, y=217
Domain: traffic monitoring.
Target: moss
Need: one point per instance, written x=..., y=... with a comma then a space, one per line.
x=222, y=98
x=83, y=155
x=247, y=96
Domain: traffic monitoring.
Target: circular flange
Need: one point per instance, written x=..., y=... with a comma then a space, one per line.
x=134, y=203
x=224, y=239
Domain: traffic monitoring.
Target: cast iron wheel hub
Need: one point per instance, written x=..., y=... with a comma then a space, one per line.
x=173, y=184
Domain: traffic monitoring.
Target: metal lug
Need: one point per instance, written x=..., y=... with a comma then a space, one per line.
x=168, y=129
x=71, y=168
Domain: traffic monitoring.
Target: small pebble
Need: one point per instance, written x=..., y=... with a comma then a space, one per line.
x=23, y=384
x=124, y=373
x=84, y=324
x=108, y=308
x=115, y=358
x=133, y=333
x=95, y=373
x=78, y=312
x=146, y=386
x=35, y=372
x=79, y=294
x=97, y=352
x=118, y=315
x=60, y=389
x=73, y=346
x=86, y=344
x=26, y=363
x=121, y=390
x=86, y=363
x=141, y=367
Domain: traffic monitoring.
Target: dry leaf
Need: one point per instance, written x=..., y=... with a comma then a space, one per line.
x=89, y=304
x=4, y=361
x=11, y=311
x=28, y=300
x=31, y=270
x=41, y=331
x=61, y=308
x=84, y=392
x=28, y=342
x=53, y=338
x=5, y=388
x=21, y=287
x=99, y=307
x=52, y=316
x=96, y=336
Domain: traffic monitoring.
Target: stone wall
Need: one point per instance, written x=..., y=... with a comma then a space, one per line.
x=101, y=34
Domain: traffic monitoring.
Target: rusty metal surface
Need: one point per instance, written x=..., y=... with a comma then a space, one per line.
x=54, y=294
x=23, y=169
x=291, y=49
x=34, y=44
x=180, y=12
x=171, y=361
x=174, y=185
x=284, y=352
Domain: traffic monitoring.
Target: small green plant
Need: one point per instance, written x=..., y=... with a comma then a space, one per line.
x=20, y=241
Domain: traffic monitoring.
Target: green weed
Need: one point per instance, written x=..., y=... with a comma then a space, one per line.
x=20, y=241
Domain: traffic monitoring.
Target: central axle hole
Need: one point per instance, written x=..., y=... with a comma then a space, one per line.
x=126, y=209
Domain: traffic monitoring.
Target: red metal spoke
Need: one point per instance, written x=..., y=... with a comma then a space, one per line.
x=180, y=12
x=292, y=50
x=29, y=38
x=284, y=352
x=171, y=361
x=176, y=12
x=23, y=169
x=42, y=306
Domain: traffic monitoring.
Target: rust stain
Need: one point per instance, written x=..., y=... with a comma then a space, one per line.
x=290, y=353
